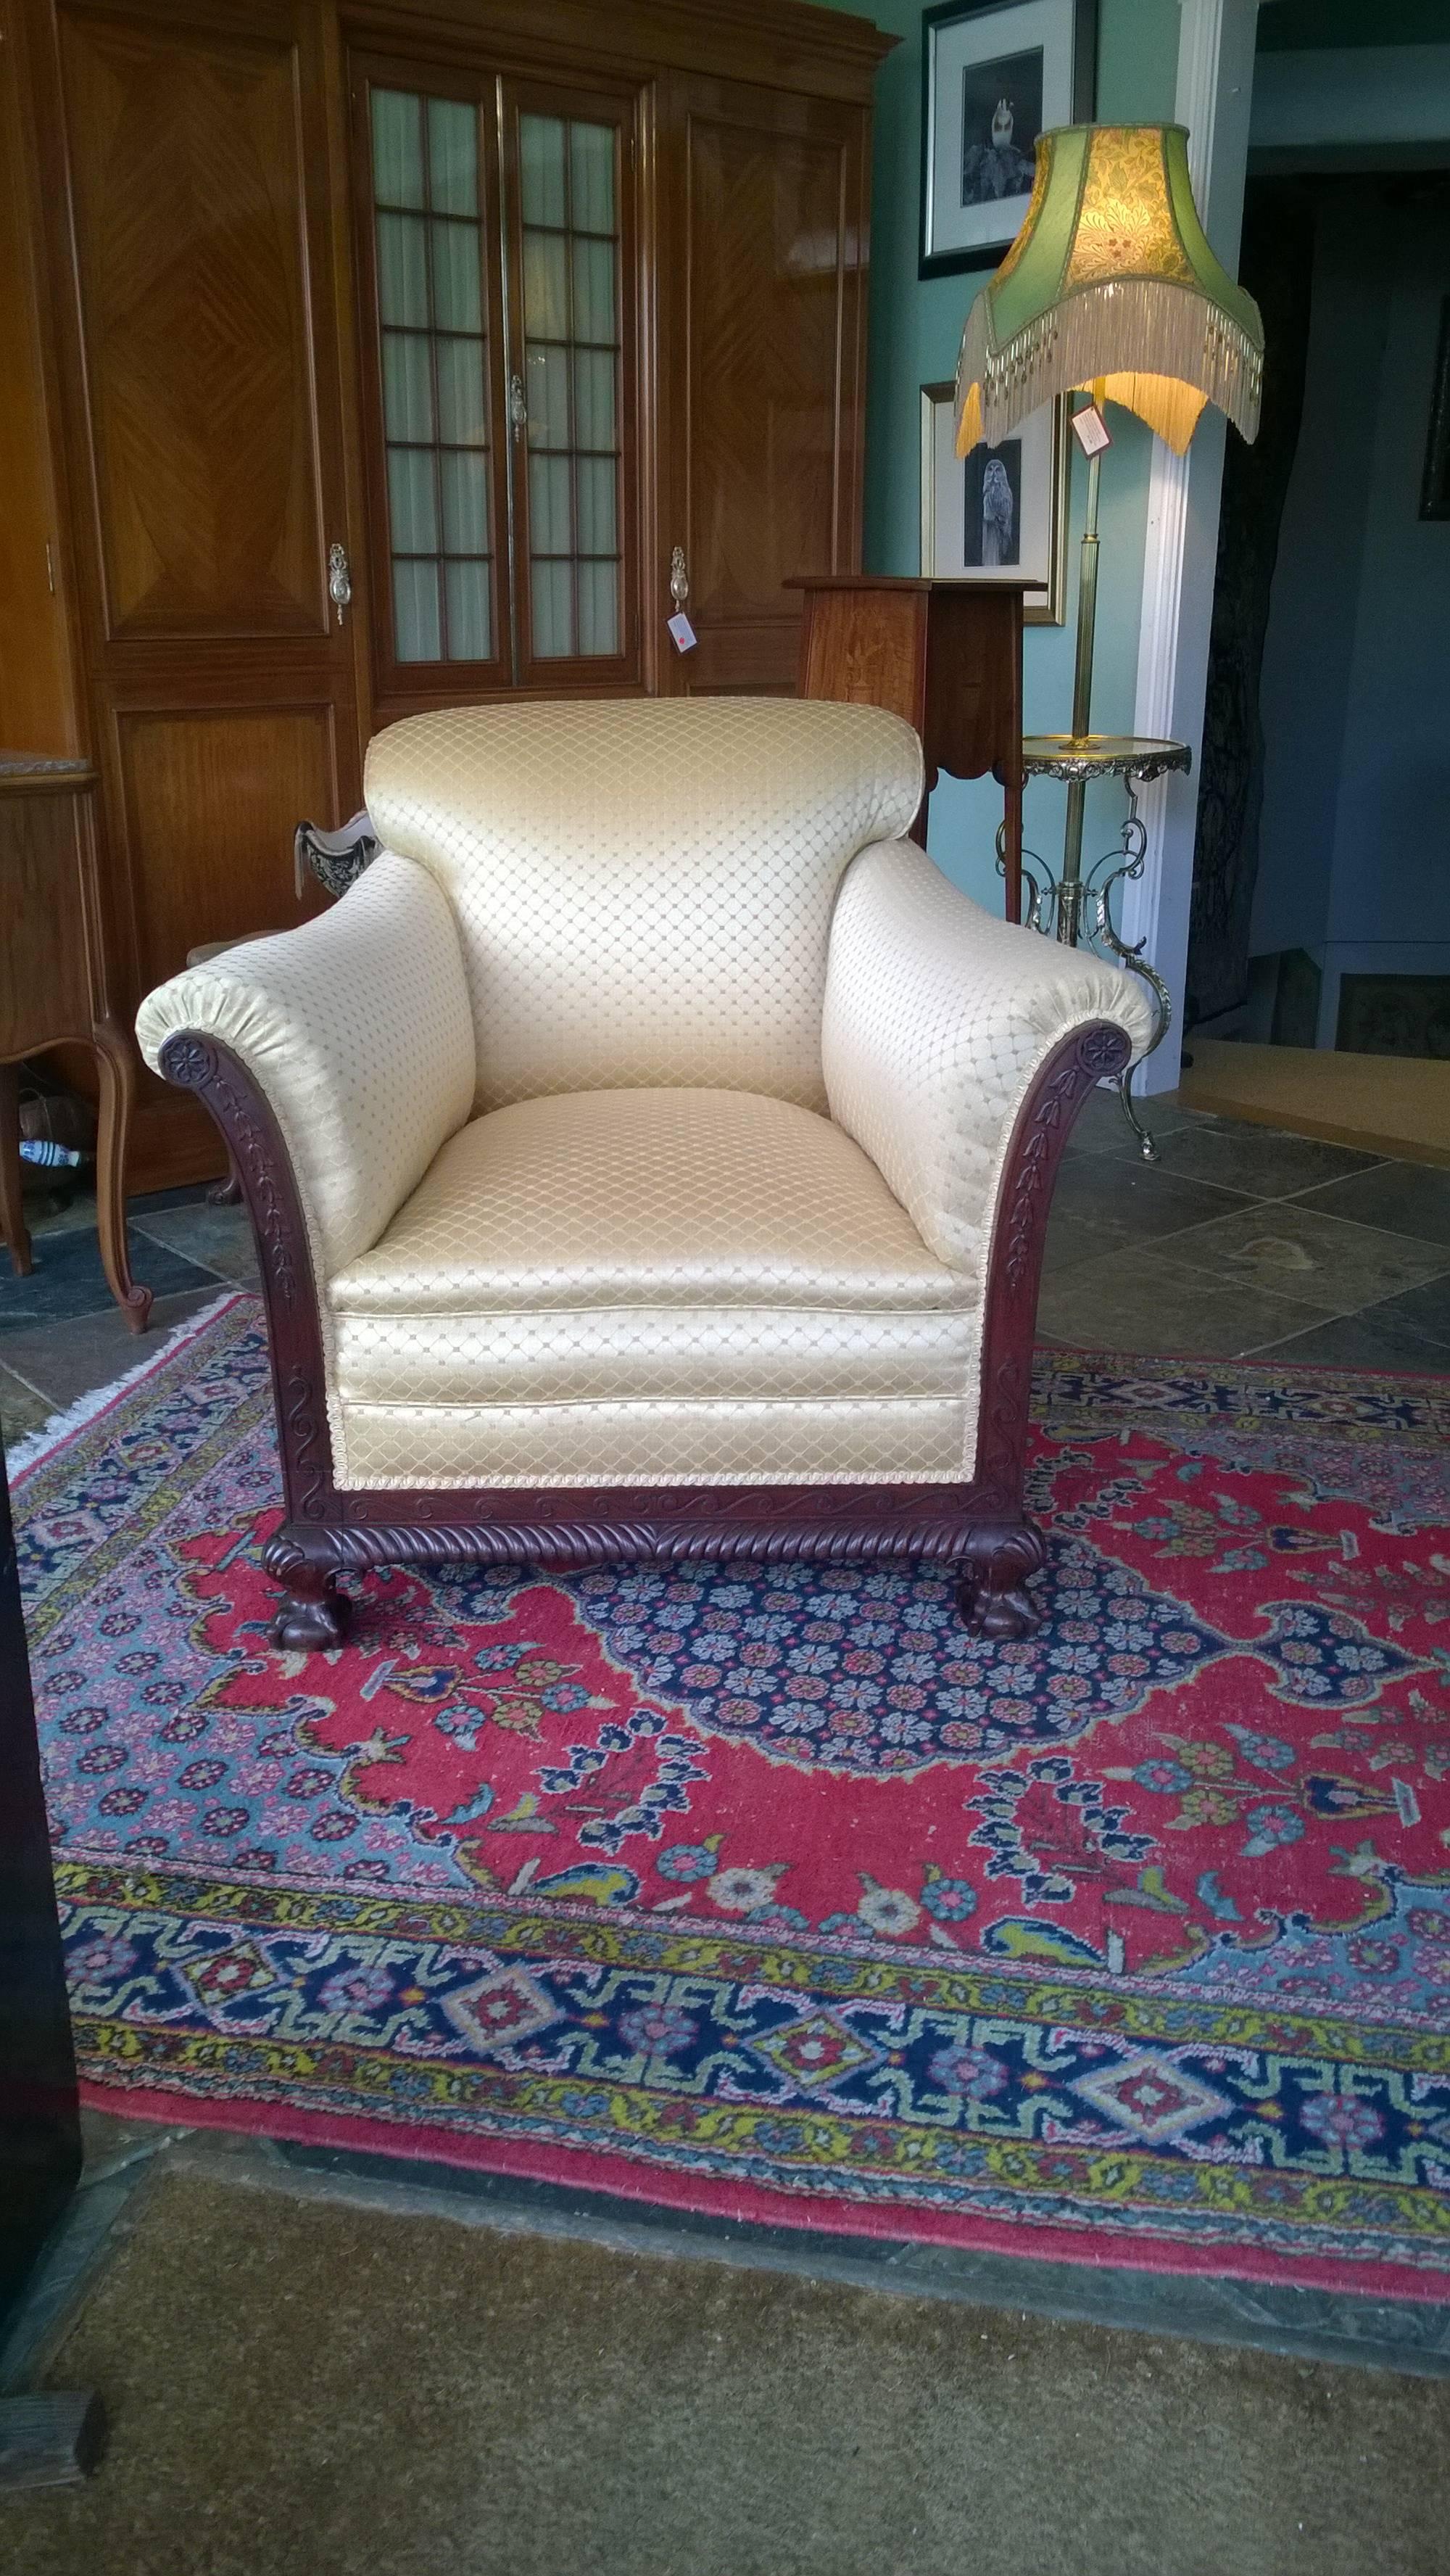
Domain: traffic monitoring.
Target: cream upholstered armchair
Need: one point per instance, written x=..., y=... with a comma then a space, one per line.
x=649, y=1156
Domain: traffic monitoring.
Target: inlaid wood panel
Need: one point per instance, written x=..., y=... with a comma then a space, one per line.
x=768, y=358
x=188, y=205
x=221, y=796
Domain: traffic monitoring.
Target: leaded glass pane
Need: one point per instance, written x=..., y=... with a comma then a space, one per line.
x=594, y=371
x=457, y=282
x=468, y=618
x=452, y=157
x=550, y=515
x=397, y=148
x=546, y=287
x=412, y=500
x=402, y=274
x=591, y=177
x=594, y=291
x=419, y=628
x=407, y=386
x=598, y=607
x=553, y=594
x=465, y=504
x=541, y=169
x=462, y=408
x=594, y=480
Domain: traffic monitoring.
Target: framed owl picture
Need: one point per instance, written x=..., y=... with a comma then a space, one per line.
x=995, y=74
x=1000, y=512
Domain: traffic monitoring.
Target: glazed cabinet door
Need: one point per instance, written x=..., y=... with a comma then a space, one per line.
x=764, y=212
x=498, y=273
x=188, y=167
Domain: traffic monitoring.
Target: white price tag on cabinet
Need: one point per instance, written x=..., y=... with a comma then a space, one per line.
x=683, y=632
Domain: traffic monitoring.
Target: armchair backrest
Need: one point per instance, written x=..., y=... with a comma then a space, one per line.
x=643, y=887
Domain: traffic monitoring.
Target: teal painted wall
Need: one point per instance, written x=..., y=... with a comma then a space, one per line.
x=915, y=329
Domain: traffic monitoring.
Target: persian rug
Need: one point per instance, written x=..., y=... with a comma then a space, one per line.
x=771, y=1892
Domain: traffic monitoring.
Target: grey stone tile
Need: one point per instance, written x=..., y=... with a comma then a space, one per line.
x=1403, y=1198
x=68, y=1279
x=1286, y=1250
x=1399, y=2334
x=1134, y=1201
x=67, y=1360
x=1377, y=1337
x=1071, y=1241
x=1133, y=1300
x=22, y=1410
x=1101, y=1127
x=1426, y=1309
x=1261, y=1162
x=220, y=1238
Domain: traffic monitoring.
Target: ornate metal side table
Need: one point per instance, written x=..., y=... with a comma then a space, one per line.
x=1077, y=906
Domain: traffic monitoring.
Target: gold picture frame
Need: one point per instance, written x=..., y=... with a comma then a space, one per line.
x=1031, y=488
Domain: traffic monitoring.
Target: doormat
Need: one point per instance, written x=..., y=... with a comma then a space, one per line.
x=770, y=1892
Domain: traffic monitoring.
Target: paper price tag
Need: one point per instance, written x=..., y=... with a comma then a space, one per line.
x=1091, y=431
x=685, y=638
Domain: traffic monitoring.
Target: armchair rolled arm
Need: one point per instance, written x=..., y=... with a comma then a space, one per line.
x=937, y=1016
x=356, y=1028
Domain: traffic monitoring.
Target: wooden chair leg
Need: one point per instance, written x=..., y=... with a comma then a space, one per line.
x=12, y=1207
x=117, y=1085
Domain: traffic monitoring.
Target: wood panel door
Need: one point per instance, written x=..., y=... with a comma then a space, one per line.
x=189, y=168
x=764, y=204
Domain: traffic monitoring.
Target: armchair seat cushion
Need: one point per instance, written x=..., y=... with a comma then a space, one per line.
x=651, y=1286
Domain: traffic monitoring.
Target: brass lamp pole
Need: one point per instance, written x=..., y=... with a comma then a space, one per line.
x=1111, y=289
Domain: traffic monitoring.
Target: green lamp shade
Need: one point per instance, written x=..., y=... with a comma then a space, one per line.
x=1111, y=284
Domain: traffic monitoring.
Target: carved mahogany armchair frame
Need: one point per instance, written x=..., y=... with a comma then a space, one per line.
x=980, y=1529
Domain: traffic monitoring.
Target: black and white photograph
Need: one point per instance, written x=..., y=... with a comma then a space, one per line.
x=995, y=75
x=1002, y=510
x=1001, y=121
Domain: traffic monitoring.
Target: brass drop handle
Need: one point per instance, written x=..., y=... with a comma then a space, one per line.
x=339, y=580
x=679, y=578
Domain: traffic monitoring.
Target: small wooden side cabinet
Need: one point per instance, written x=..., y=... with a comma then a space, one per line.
x=53, y=990
x=947, y=655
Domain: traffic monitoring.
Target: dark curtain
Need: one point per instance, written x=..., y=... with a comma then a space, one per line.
x=1276, y=264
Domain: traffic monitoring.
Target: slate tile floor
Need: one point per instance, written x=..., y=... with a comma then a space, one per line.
x=1238, y=1240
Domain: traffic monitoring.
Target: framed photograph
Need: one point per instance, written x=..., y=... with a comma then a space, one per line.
x=994, y=74
x=1435, y=488
x=1001, y=510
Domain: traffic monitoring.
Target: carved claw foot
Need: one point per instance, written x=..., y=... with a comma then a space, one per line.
x=309, y=1623
x=992, y=1594
x=312, y=1614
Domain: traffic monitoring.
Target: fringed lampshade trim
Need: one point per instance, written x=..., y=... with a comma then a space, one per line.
x=1118, y=327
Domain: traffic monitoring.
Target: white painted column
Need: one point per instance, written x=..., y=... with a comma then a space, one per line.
x=1215, y=90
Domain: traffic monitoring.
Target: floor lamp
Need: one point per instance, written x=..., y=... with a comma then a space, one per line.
x=1111, y=290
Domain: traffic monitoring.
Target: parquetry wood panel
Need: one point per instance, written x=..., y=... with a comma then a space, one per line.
x=187, y=194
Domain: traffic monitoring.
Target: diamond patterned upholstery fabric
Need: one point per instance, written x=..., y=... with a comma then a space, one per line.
x=937, y=1016
x=643, y=889
x=691, y=1286
x=358, y=1029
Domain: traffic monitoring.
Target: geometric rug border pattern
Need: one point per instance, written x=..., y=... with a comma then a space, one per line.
x=768, y=1893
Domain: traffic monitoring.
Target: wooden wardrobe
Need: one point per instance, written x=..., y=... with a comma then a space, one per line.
x=361, y=359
